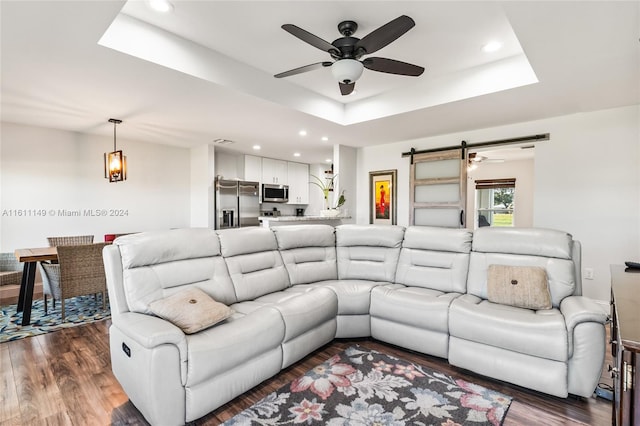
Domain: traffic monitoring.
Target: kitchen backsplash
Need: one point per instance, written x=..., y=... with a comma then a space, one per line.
x=284, y=209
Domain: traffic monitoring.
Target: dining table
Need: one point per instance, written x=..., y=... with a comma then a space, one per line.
x=30, y=257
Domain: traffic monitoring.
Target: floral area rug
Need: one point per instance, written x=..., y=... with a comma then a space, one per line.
x=365, y=387
x=78, y=310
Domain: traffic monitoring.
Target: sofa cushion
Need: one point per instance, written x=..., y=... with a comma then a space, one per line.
x=298, y=236
x=253, y=261
x=234, y=242
x=152, y=248
x=544, y=248
x=437, y=239
x=369, y=235
x=191, y=310
x=158, y=264
x=368, y=252
x=560, y=273
x=540, y=333
x=218, y=350
x=308, y=252
x=434, y=258
x=256, y=274
x=528, y=241
x=415, y=306
x=354, y=296
x=302, y=311
x=521, y=286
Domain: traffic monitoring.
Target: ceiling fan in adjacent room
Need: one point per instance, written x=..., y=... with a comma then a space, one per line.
x=347, y=51
x=474, y=159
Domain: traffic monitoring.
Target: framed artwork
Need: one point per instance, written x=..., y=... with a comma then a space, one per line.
x=382, y=197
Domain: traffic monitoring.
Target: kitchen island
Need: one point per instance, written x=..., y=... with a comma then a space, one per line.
x=271, y=221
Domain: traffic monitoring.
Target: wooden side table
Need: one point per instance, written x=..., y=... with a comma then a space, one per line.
x=625, y=345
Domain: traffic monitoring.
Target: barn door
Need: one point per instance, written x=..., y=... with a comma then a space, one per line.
x=438, y=188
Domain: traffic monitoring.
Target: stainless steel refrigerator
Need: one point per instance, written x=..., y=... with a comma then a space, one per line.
x=237, y=204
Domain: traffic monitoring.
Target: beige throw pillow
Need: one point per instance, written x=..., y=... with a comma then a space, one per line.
x=521, y=286
x=192, y=310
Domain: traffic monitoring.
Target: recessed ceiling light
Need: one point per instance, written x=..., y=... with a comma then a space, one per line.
x=256, y=147
x=221, y=141
x=163, y=6
x=302, y=133
x=296, y=154
x=328, y=160
x=492, y=46
x=324, y=139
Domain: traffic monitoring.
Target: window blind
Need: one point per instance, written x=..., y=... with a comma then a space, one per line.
x=495, y=183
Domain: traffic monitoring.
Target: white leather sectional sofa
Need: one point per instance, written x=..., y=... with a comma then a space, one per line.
x=294, y=289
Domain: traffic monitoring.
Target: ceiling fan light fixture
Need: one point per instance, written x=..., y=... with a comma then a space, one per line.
x=347, y=70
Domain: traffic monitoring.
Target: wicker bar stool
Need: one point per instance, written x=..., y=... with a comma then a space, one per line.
x=79, y=272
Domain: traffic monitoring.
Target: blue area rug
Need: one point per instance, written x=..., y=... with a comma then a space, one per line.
x=78, y=310
x=364, y=387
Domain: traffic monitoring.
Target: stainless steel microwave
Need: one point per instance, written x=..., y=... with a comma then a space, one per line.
x=275, y=193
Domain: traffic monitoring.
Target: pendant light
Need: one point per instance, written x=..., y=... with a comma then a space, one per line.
x=115, y=163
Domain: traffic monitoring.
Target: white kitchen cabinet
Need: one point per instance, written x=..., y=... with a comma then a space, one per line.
x=274, y=171
x=298, y=178
x=253, y=168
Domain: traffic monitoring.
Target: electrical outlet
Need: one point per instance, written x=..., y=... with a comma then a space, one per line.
x=588, y=273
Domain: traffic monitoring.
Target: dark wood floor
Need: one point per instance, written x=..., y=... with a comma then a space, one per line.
x=64, y=378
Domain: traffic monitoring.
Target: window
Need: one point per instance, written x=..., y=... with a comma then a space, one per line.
x=495, y=202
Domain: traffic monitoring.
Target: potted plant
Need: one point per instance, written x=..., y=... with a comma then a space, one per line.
x=326, y=186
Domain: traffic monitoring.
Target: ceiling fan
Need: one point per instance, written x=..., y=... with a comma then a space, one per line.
x=474, y=159
x=347, y=51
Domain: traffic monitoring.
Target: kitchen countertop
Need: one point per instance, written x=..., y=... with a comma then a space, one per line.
x=301, y=218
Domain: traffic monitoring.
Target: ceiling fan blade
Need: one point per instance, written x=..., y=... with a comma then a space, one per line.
x=305, y=68
x=391, y=66
x=384, y=35
x=347, y=89
x=307, y=37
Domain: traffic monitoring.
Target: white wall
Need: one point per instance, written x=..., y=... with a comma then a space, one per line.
x=522, y=171
x=344, y=159
x=586, y=182
x=316, y=197
x=47, y=171
x=202, y=180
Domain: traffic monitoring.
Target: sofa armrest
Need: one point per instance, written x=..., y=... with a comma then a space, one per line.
x=150, y=331
x=586, y=333
x=579, y=309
